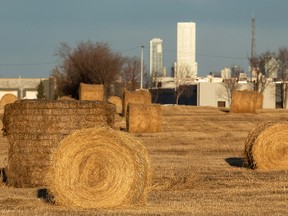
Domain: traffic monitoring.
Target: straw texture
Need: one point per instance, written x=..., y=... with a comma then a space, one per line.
x=266, y=147
x=99, y=168
x=139, y=97
x=35, y=127
x=91, y=92
x=144, y=118
x=246, y=101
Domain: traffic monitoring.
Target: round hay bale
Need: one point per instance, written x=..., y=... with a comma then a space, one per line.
x=246, y=101
x=35, y=127
x=117, y=102
x=99, y=168
x=65, y=98
x=8, y=98
x=139, y=97
x=266, y=147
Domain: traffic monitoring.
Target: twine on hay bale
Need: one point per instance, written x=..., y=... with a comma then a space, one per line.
x=117, y=102
x=246, y=101
x=266, y=147
x=144, y=118
x=8, y=98
x=99, y=168
x=139, y=97
x=35, y=127
x=91, y=92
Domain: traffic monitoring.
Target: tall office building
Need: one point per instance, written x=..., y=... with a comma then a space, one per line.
x=186, y=50
x=156, y=58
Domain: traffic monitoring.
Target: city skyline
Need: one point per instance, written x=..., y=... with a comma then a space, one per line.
x=32, y=30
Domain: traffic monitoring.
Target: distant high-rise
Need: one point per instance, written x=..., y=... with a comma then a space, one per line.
x=186, y=64
x=156, y=58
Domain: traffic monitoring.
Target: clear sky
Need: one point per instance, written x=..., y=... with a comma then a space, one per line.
x=31, y=30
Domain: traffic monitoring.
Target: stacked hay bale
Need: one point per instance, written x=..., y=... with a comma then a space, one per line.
x=117, y=102
x=99, y=168
x=91, y=92
x=139, y=97
x=246, y=101
x=266, y=147
x=8, y=98
x=35, y=127
x=144, y=118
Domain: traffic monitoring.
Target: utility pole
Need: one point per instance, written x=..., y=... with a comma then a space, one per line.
x=253, y=38
x=141, y=81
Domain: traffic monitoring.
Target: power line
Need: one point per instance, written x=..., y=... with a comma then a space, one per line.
x=27, y=64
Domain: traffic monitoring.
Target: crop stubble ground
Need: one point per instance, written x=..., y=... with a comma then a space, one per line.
x=197, y=170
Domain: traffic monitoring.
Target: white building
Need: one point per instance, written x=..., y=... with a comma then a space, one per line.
x=156, y=58
x=186, y=65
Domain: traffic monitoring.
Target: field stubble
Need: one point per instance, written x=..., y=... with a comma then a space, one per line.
x=197, y=170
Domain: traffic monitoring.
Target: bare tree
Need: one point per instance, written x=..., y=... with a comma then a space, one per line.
x=261, y=70
x=93, y=63
x=282, y=57
x=230, y=85
x=182, y=81
x=130, y=73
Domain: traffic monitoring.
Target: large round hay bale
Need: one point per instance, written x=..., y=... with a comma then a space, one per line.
x=144, y=118
x=266, y=147
x=246, y=101
x=8, y=98
x=117, y=102
x=35, y=127
x=139, y=97
x=99, y=168
x=91, y=92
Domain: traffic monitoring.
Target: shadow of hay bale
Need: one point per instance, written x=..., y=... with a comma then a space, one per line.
x=235, y=161
x=3, y=175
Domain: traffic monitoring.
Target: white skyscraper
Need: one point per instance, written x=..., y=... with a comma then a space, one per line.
x=186, y=50
x=156, y=58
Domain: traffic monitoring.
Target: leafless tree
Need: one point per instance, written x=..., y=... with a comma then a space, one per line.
x=282, y=57
x=230, y=85
x=92, y=63
x=130, y=73
x=182, y=81
x=261, y=70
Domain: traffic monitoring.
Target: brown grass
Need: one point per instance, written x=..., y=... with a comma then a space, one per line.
x=246, y=101
x=197, y=170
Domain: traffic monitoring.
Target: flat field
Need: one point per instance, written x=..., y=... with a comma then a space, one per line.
x=197, y=170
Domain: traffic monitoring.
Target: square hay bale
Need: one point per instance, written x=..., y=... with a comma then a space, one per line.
x=117, y=101
x=144, y=118
x=91, y=92
x=34, y=128
x=246, y=101
x=139, y=97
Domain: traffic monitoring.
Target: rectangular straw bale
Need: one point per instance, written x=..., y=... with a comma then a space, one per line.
x=144, y=118
x=91, y=92
x=139, y=97
x=246, y=101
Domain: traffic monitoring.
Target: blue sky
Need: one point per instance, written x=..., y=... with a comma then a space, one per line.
x=31, y=30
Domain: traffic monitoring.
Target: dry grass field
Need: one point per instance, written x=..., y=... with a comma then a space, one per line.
x=197, y=170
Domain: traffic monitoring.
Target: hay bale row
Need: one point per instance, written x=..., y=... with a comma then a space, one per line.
x=246, y=101
x=91, y=92
x=266, y=147
x=144, y=118
x=139, y=97
x=41, y=124
x=99, y=168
